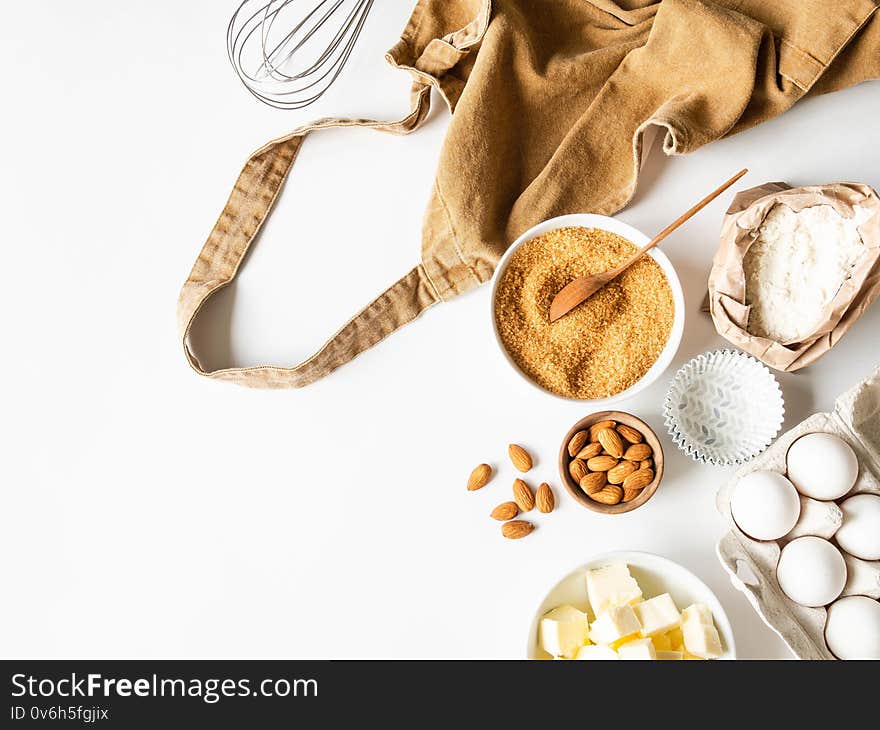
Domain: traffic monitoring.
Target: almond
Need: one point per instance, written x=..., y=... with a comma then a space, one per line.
x=611, y=494
x=577, y=443
x=578, y=469
x=596, y=427
x=601, y=463
x=479, y=477
x=638, y=452
x=515, y=529
x=519, y=457
x=505, y=511
x=646, y=464
x=611, y=442
x=630, y=494
x=522, y=495
x=590, y=450
x=544, y=498
x=639, y=479
x=630, y=434
x=594, y=482
x=621, y=472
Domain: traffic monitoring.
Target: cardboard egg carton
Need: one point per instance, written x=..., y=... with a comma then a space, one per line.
x=752, y=563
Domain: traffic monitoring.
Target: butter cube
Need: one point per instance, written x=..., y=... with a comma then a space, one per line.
x=639, y=649
x=615, y=624
x=700, y=635
x=666, y=656
x=676, y=639
x=564, y=630
x=657, y=615
x=662, y=642
x=611, y=586
x=594, y=651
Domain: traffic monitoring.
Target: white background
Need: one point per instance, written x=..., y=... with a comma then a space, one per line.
x=147, y=512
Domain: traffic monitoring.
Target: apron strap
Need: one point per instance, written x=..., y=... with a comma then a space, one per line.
x=248, y=207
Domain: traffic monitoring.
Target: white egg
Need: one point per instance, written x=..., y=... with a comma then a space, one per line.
x=852, y=630
x=811, y=571
x=859, y=534
x=822, y=466
x=765, y=505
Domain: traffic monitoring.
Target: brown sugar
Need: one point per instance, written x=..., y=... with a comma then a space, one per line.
x=607, y=343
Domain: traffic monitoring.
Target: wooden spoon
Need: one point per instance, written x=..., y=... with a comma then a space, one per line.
x=582, y=288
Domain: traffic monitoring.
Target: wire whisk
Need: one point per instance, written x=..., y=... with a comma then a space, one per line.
x=295, y=51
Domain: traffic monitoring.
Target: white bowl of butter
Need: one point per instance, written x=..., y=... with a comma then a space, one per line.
x=672, y=602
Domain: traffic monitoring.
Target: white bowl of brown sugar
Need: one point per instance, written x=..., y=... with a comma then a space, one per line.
x=612, y=346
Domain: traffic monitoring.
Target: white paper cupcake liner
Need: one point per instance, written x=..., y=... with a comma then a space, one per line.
x=723, y=408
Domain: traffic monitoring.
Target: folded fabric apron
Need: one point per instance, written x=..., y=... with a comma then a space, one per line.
x=552, y=102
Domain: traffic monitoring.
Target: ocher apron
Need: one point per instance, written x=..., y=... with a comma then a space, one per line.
x=550, y=102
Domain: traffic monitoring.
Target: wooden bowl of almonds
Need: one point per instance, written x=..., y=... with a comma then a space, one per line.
x=611, y=462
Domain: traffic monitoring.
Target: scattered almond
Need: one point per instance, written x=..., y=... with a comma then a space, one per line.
x=611, y=494
x=630, y=434
x=515, y=529
x=593, y=482
x=544, y=498
x=578, y=469
x=611, y=442
x=505, y=511
x=479, y=477
x=519, y=457
x=630, y=494
x=621, y=472
x=639, y=479
x=522, y=495
x=577, y=443
x=601, y=463
x=590, y=450
x=596, y=427
x=638, y=452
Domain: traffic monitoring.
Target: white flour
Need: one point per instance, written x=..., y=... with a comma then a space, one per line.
x=795, y=268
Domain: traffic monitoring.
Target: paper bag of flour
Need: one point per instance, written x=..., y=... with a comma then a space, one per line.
x=746, y=290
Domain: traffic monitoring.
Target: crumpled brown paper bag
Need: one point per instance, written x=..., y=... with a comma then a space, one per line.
x=727, y=279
